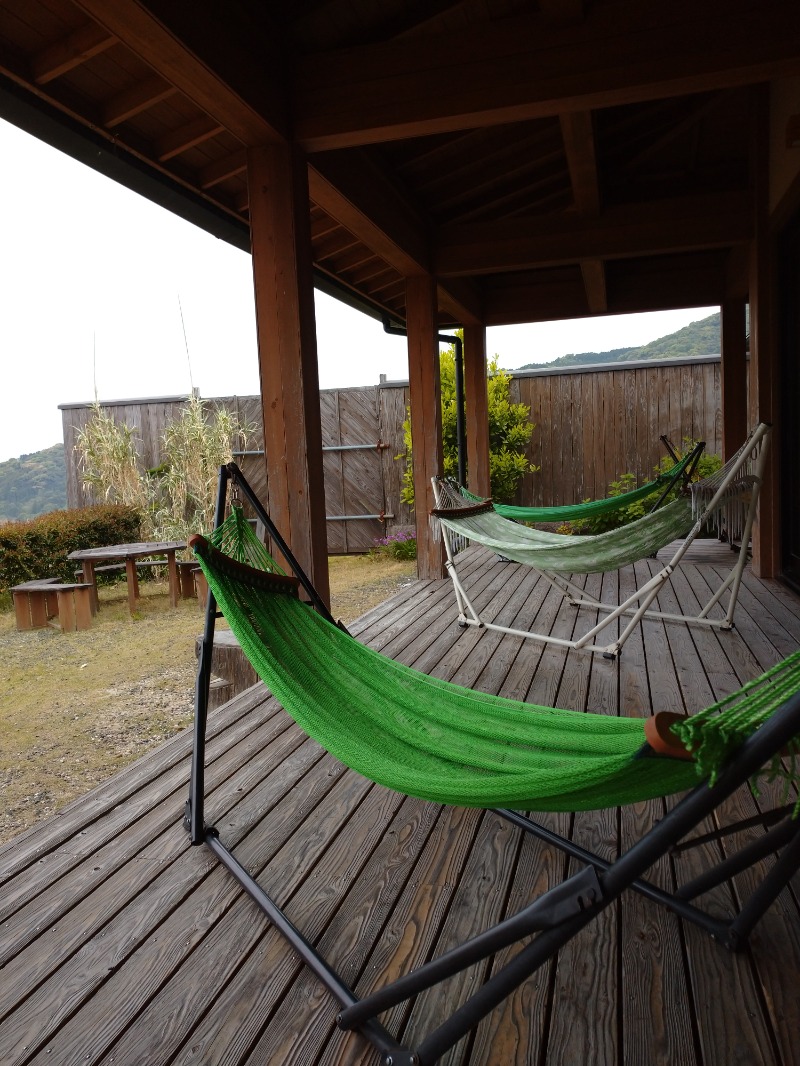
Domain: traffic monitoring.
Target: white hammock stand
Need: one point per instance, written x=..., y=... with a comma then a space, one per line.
x=728, y=498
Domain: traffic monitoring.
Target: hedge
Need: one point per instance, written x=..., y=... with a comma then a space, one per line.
x=39, y=547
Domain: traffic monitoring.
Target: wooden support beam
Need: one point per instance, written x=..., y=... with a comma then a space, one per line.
x=528, y=67
x=763, y=346
x=477, y=404
x=70, y=52
x=663, y=227
x=578, y=133
x=733, y=373
x=461, y=299
x=287, y=352
x=594, y=281
x=138, y=98
x=426, y=415
x=658, y=283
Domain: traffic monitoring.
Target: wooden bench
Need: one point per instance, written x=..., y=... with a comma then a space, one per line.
x=120, y=567
x=36, y=603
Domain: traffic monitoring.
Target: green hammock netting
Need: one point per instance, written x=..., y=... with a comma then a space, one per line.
x=577, y=512
x=422, y=736
x=591, y=554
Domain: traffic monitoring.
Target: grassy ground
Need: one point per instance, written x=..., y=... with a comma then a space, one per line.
x=76, y=707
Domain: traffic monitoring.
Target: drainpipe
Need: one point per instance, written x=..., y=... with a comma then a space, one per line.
x=446, y=338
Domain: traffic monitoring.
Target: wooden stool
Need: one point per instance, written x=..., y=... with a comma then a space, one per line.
x=186, y=579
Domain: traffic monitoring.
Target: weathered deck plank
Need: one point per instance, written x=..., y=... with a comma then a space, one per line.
x=122, y=944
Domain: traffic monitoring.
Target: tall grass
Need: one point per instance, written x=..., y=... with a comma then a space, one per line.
x=178, y=497
x=109, y=463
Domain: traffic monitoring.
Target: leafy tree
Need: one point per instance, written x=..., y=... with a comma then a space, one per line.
x=509, y=432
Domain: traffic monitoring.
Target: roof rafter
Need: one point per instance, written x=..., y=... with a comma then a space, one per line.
x=186, y=137
x=137, y=98
x=354, y=191
x=71, y=51
x=243, y=96
x=360, y=196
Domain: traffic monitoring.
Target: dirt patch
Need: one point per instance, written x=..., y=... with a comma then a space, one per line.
x=77, y=707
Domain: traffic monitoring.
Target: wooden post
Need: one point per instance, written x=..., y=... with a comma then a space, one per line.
x=287, y=352
x=477, y=403
x=426, y=415
x=733, y=376
x=763, y=350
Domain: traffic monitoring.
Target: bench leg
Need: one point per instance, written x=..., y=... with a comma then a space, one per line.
x=35, y=608
x=173, y=579
x=75, y=609
x=201, y=586
x=22, y=610
x=133, y=584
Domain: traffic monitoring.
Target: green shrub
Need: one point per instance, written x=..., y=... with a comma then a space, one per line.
x=39, y=547
x=509, y=432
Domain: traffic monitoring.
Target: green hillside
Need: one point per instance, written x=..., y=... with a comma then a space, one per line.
x=698, y=338
x=33, y=484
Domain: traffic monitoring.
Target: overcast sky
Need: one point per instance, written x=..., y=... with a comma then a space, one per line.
x=103, y=293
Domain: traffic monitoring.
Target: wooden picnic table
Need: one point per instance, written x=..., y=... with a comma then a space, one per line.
x=91, y=558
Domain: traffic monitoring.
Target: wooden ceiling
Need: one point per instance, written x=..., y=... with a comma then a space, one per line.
x=544, y=160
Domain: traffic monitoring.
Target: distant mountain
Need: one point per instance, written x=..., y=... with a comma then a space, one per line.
x=698, y=338
x=33, y=484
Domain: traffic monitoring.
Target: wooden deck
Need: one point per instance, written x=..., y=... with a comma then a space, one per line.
x=122, y=944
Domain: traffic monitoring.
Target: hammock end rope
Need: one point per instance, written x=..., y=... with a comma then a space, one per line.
x=712, y=735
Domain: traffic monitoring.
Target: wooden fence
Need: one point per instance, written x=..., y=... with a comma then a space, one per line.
x=591, y=425
x=361, y=435
x=595, y=423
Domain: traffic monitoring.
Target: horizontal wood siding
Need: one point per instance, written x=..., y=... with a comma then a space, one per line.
x=590, y=426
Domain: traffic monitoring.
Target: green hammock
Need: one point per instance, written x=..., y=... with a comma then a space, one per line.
x=590, y=554
x=578, y=512
x=429, y=738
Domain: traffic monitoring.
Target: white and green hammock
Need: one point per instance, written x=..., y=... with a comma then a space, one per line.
x=727, y=499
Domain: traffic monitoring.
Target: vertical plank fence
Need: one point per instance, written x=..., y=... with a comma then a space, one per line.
x=592, y=424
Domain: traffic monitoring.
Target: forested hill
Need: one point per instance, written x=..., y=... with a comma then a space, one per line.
x=33, y=484
x=698, y=338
